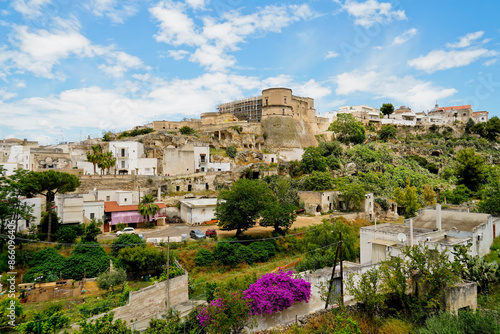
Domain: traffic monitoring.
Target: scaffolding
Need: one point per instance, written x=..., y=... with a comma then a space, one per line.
x=249, y=109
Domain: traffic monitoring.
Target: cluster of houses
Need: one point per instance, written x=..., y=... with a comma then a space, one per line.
x=406, y=117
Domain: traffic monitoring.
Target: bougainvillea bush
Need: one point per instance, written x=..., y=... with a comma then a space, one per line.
x=229, y=313
x=276, y=292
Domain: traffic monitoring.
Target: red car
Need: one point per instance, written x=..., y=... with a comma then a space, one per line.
x=211, y=233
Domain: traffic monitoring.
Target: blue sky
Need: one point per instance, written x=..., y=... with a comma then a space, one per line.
x=69, y=69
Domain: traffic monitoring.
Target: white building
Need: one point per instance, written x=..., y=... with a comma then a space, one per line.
x=69, y=208
x=285, y=155
x=35, y=216
x=195, y=211
x=438, y=229
x=190, y=159
x=130, y=158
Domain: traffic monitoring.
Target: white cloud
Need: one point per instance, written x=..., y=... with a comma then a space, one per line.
x=407, y=90
x=197, y=4
x=437, y=60
x=39, y=51
x=29, y=8
x=312, y=89
x=372, y=12
x=119, y=62
x=466, y=40
x=490, y=62
x=155, y=98
x=331, y=54
x=404, y=37
x=178, y=54
x=215, y=38
x=116, y=10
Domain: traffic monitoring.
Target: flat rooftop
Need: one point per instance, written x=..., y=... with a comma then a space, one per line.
x=462, y=221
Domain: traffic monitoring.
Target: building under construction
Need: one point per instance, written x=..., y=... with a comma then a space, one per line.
x=249, y=109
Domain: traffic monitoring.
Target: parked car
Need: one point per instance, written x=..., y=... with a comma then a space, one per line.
x=126, y=230
x=196, y=234
x=211, y=232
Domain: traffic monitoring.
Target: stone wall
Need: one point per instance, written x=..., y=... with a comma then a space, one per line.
x=151, y=300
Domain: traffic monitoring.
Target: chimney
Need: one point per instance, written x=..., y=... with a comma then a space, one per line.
x=438, y=216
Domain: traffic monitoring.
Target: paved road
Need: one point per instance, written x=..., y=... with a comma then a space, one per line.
x=172, y=230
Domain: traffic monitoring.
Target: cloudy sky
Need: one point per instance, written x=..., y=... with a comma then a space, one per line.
x=69, y=69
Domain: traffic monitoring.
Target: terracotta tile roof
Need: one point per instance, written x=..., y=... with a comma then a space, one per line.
x=113, y=206
x=466, y=106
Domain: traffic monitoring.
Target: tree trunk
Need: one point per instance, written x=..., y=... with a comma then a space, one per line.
x=49, y=228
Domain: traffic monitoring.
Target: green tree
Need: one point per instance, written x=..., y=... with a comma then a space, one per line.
x=429, y=195
x=49, y=183
x=110, y=279
x=407, y=199
x=12, y=189
x=387, y=131
x=50, y=320
x=329, y=148
x=238, y=208
x=348, y=129
x=95, y=156
x=147, y=207
x=469, y=168
x=6, y=305
x=280, y=212
x=66, y=235
x=106, y=162
x=141, y=259
x=490, y=200
x=92, y=230
x=231, y=151
x=318, y=181
x=126, y=240
x=320, y=245
x=367, y=291
x=468, y=126
x=493, y=128
x=228, y=313
x=186, y=130
x=313, y=160
x=387, y=109
x=353, y=194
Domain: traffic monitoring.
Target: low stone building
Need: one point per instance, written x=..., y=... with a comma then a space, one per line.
x=195, y=211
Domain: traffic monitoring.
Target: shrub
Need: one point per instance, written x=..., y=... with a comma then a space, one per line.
x=245, y=254
x=88, y=259
x=186, y=130
x=276, y=292
x=383, y=202
x=387, y=131
x=66, y=235
x=259, y=251
x=204, y=257
x=231, y=151
x=225, y=253
x=126, y=240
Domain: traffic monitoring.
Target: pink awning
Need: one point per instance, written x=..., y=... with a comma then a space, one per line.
x=127, y=217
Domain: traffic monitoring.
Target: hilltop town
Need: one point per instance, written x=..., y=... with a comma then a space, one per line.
x=392, y=181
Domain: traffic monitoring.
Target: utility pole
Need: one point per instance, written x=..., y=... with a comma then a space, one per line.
x=168, y=272
x=337, y=253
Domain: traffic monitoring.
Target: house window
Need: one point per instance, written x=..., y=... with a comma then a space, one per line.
x=123, y=164
x=272, y=160
x=108, y=198
x=125, y=199
x=202, y=158
x=284, y=99
x=122, y=152
x=283, y=110
x=267, y=101
x=189, y=187
x=177, y=188
x=202, y=169
x=92, y=215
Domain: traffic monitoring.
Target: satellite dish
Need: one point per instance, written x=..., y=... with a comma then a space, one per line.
x=401, y=237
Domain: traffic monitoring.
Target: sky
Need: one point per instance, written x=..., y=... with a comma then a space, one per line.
x=70, y=69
